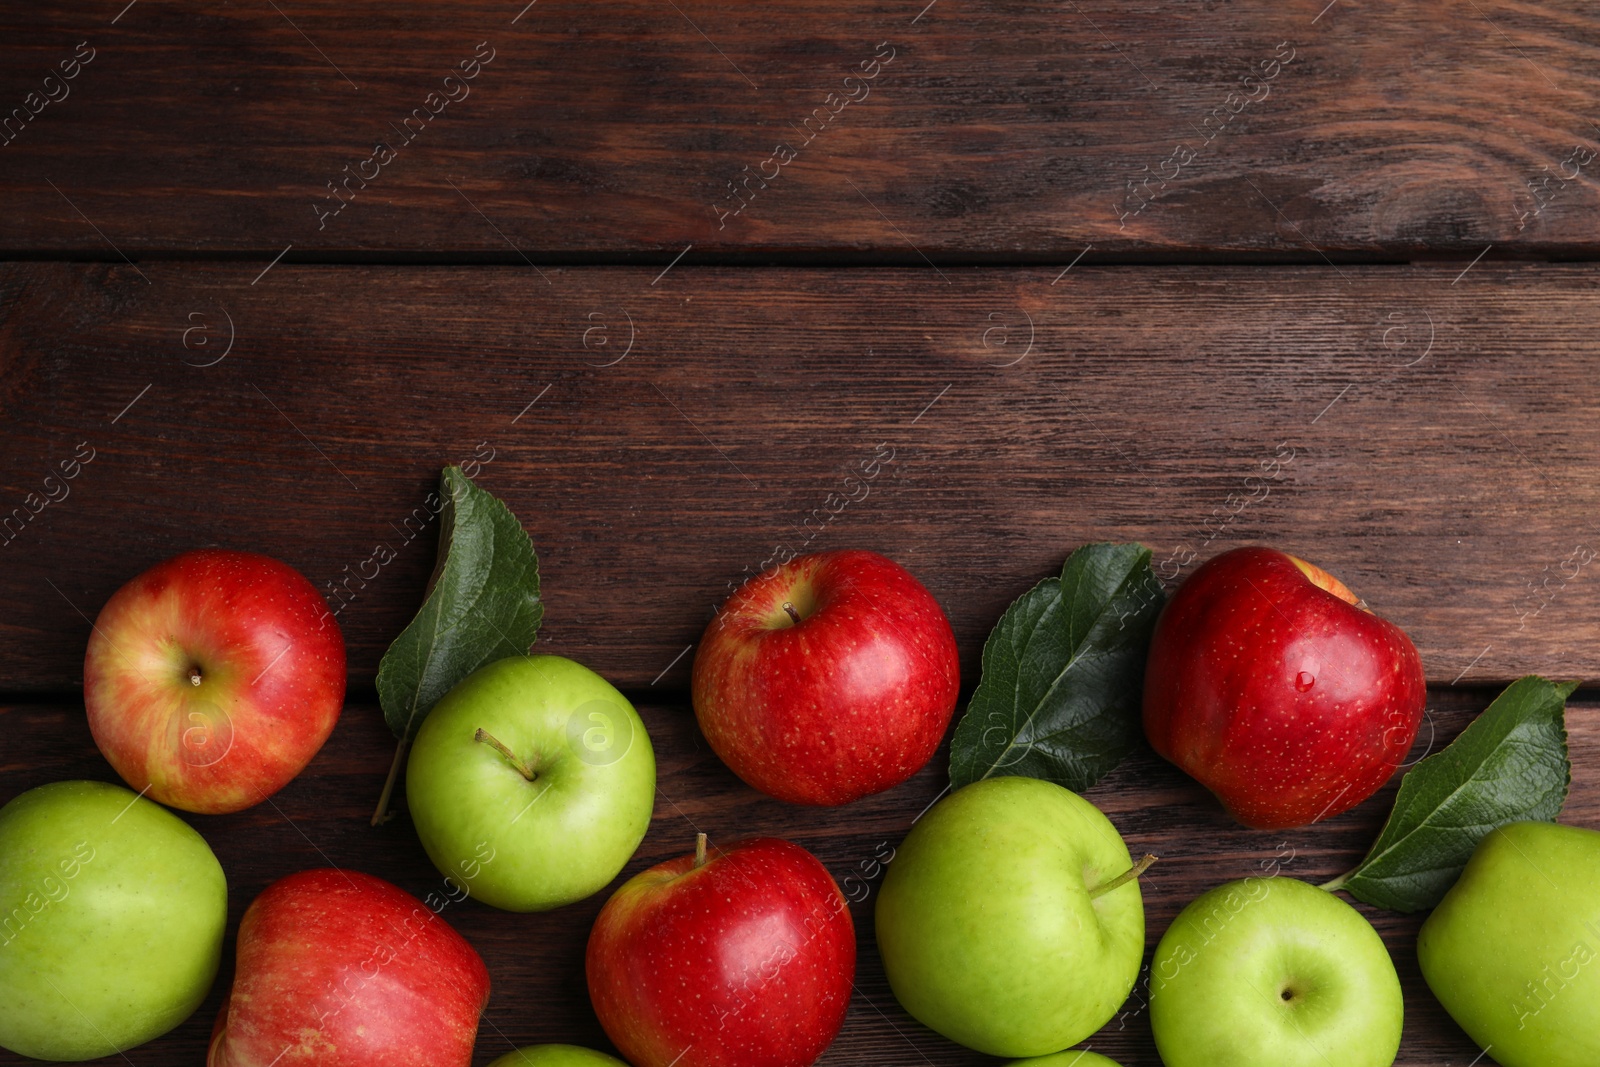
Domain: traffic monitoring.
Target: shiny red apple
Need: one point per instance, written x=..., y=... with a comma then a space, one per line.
x=741, y=958
x=341, y=969
x=828, y=678
x=213, y=678
x=1269, y=685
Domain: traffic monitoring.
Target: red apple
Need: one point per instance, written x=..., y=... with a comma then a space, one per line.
x=1268, y=684
x=828, y=678
x=213, y=678
x=745, y=958
x=341, y=969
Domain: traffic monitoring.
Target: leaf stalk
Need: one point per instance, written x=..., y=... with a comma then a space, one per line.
x=1338, y=883
x=383, y=814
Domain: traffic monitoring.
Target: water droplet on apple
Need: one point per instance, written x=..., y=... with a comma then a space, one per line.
x=1304, y=681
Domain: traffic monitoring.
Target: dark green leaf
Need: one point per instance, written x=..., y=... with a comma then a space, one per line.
x=482, y=605
x=1060, y=691
x=1510, y=765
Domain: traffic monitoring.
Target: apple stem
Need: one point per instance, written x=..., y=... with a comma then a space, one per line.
x=793, y=614
x=699, y=850
x=381, y=816
x=1124, y=878
x=194, y=675
x=511, y=757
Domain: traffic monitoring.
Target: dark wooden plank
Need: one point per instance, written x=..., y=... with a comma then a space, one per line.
x=1456, y=494
x=536, y=961
x=1004, y=128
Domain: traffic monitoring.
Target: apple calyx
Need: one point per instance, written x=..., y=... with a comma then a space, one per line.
x=1124, y=878
x=194, y=676
x=699, y=851
x=527, y=770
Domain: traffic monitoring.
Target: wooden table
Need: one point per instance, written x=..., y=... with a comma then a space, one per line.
x=670, y=271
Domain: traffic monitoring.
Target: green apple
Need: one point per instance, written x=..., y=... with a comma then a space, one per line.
x=1513, y=950
x=1070, y=1058
x=112, y=913
x=1274, y=972
x=557, y=1056
x=1011, y=919
x=531, y=783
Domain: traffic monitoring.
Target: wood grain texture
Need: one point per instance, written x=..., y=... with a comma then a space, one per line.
x=1000, y=130
x=1191, y=408
x=536, y=961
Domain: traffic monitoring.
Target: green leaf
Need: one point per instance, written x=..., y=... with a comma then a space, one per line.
x=482, y=605
x=1510, y=765
x=1059, y=696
